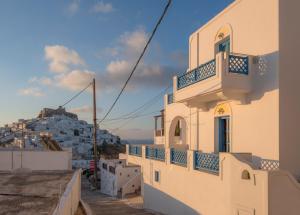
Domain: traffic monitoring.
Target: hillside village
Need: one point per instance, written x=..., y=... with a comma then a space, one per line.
x=59, y=125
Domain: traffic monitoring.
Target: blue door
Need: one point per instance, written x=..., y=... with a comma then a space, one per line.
x=224, y=138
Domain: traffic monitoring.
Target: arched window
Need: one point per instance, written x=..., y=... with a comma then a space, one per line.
x=177, y=129
x=223, y=39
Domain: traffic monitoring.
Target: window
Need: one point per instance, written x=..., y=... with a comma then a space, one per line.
x=223, y=45
x=177, y=129
x=76, y=132
x=156, y=176
x=112, y=169
x=104, y=165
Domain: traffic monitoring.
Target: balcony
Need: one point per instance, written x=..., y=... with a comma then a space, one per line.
x=228, y=76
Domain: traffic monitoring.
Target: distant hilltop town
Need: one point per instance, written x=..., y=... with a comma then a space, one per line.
x=54, y=129
x=48, y=112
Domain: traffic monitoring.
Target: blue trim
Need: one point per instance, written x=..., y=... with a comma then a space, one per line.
x=135, y=150
x=206, y=162
x=239, y=64
x=155, y=153
x=201, y=73
x=179, y=157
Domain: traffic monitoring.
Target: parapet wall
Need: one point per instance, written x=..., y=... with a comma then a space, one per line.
x=238, y=187
x=35, y=160
x=70, y=199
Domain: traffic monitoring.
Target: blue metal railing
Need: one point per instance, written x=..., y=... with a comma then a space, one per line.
x=239, y=64
x=201, y=73
x=178, y=157
x=135, y=150
x=155, y=153
x=170, y=98
x=206, y=161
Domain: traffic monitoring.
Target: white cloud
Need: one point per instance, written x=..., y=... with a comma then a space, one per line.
x=31, y=91
x=61, y=58
x=73, y=7
x=133, y=42
x=85, y=109
x=101, y=7
x=75, y=80
x=70, y=71
x=130, y=45
x=43, y=81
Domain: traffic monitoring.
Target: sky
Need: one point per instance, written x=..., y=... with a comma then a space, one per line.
x=50, y=50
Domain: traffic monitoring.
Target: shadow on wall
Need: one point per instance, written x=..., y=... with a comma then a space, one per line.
x=266, y=76
x=159, y=201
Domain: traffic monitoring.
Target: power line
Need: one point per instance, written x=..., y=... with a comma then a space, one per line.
x=67, y=102
x=117, y=120
x=76, y=95
x=147, y=104
x=139, y=59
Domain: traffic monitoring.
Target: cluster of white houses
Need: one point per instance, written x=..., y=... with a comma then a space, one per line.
x=229, y=141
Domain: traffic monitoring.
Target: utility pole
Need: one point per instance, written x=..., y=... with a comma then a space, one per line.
x=95, y=134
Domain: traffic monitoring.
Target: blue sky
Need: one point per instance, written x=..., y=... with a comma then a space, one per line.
x=49, y=50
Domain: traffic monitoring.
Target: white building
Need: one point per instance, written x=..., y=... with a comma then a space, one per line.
x=69, y=132
x=229, y=141
x=119, y=179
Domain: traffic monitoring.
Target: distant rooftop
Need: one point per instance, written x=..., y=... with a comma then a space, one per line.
x=36, y=192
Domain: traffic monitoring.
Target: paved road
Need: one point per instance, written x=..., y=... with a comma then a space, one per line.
x=105, y=205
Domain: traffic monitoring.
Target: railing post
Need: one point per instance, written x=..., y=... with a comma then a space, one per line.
x=127, y=149
x=168, y=156
x=190, y=161
x=175, y=84
x=143, y=148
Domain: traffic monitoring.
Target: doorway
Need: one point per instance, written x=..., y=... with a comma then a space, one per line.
x=224, y=134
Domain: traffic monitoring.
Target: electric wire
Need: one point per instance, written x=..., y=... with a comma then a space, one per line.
x=138, y=61
x=67, y=102
x=148, y=103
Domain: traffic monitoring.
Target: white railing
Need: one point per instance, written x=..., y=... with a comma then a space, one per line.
x=269, y=165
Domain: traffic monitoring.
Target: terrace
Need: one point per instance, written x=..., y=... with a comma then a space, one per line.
x=197, y=160
x=37, y=192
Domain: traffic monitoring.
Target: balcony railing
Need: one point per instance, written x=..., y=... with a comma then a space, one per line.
x=155, y=153
x=238, y=64
x=135, y=150
x=178, y=157
x=201, y=73
x=170, y=98
x=269, y=165
x=206, y=162
x=159, y=133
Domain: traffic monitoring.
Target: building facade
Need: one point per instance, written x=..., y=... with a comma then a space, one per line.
x=228, y=143
x=118, y=178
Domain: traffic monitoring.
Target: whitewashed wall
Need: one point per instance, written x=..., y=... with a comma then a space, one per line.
x=35, y=160
x=255, y=124
x=71, y=197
